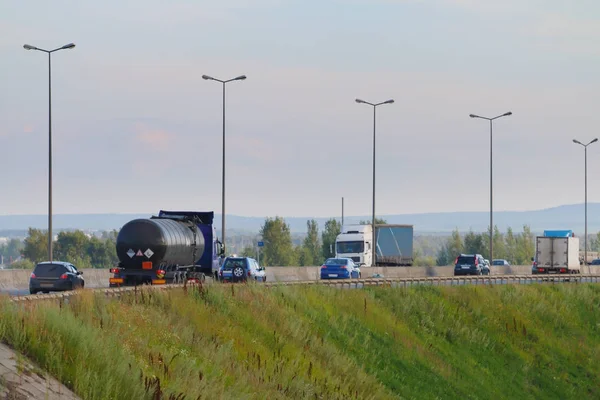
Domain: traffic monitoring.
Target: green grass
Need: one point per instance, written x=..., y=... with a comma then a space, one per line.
x=249, y=342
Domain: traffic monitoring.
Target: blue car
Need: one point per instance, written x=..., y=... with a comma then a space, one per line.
x=340, y=268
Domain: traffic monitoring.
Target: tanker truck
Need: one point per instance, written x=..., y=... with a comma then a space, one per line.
x=172, y=247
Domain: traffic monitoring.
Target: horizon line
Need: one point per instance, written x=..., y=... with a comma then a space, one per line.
x=314, y=217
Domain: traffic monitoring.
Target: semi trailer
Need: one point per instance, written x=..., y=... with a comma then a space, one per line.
x=173, y=246
x=394, y=244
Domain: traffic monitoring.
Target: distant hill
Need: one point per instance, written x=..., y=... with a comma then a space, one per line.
x=562, y=217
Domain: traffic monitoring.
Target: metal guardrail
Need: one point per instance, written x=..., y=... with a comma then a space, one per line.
x=448, y=281
x=342, y=283
x=108, y=292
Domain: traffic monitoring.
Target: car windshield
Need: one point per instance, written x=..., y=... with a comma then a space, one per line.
x=232, y=263
x=350, y=247
x=49, y=270
x=466, y=260
x=336, y=261
x=498, y=262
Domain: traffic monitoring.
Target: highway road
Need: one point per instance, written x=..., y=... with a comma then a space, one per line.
x=15, y=282
x=407, y=282
x=25, y=292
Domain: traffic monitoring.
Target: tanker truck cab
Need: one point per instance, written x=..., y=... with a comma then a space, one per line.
x=354, y=242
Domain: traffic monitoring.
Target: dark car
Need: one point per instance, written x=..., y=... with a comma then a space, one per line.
x=241, y=269
x=55, y=276
x=471, y=264
x=595, y=262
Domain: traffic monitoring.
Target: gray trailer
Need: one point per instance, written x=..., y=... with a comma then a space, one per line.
x=394, y=245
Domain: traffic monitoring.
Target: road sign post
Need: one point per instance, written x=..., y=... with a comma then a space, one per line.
x=260, y=244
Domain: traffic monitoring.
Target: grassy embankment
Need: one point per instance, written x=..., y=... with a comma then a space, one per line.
x=240, y=342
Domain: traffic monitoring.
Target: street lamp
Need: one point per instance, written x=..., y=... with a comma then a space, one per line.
x=373, y=241
x=210, y=78
x=491, y=192
x=585, y=146
x=49, y=52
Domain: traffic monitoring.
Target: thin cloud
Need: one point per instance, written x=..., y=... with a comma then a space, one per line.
x=152, y=138
x=560, y=26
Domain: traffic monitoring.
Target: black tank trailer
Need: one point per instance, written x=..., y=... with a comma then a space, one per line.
x=164, y=249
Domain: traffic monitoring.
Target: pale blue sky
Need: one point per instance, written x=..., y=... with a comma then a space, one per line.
x=136, y=129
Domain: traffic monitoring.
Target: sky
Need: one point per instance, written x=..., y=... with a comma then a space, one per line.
x=136, y=129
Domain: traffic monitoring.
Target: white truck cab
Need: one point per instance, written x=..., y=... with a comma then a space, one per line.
x=354, y=242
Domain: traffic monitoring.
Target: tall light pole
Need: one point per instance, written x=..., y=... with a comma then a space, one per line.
x=373, y=240
x=585, y=146
x=49, y=52
x=491, y=183
x=239, y=78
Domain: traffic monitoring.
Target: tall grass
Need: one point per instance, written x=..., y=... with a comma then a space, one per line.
x=248, y=342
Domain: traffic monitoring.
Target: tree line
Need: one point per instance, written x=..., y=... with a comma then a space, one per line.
x=76, y=247
x=11, y=250
x=87, y=251
x=279, y=250
x=515, y=248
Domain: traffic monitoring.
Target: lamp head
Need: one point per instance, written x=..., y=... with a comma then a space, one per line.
x=29, y=47
x=68, y=46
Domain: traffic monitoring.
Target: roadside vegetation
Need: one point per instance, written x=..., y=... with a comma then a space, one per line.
x=245, y=341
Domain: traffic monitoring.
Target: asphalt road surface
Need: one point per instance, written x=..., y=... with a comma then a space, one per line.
x=25, y=292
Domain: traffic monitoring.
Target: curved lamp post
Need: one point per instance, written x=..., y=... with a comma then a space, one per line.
x=374, y=105
x=210, y=78
x=585, y=146
x=491, y=175
x=49, y=52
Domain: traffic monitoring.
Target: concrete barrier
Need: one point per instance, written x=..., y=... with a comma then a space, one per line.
x=18, y=279
x=11, y=279
x=290, y=274
x=96, y=277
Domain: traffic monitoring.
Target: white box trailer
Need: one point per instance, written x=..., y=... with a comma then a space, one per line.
x=556, y=255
